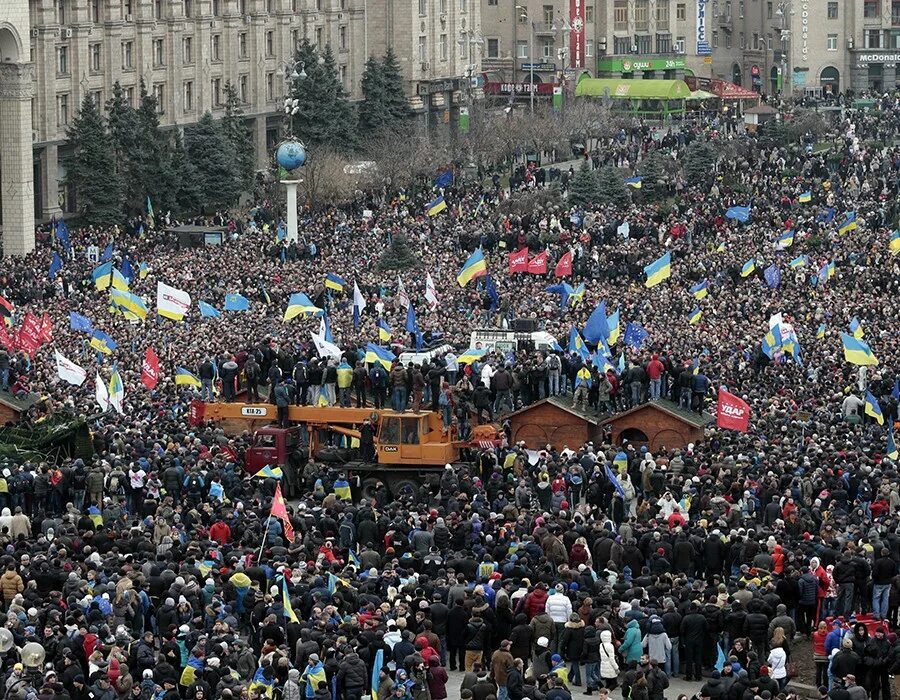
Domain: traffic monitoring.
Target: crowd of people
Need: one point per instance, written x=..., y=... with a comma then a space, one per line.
x=153, y=568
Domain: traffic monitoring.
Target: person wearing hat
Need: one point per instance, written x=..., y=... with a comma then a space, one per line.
x=845, y=661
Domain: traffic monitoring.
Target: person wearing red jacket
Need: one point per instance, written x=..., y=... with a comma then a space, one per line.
x=655, y=370
x=220, y=532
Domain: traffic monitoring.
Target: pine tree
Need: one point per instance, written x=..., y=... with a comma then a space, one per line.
x=92, y=169
x=122, y=122
x=325, y=117
x=613, y=189
x=373, y=110
x=207, y=151
x=584, y=189
x=149, y=158
x=653, y=173
x=700, y=162
x=182, y=194
x=238, y=136
x=394, y=94
x=399, y=255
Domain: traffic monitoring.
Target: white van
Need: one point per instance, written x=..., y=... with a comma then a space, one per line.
x=417, y=358
x=510, y=341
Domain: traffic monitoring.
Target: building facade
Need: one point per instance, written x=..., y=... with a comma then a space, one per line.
x=814, y=46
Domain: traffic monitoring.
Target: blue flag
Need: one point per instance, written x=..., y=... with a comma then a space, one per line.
x=896, y=391
x=55, y=265
x=773, y=275
x=635, y=335
x=741, y=214
x=597, y=329
x=236, y=302
x=107, y=253
x=411, y=325
x=614, y=481
x=492, y=293
x=77, y=322
x=208, y=310
x=720, y=658
x=62, y=233
x=127, y=270
x=445, y=179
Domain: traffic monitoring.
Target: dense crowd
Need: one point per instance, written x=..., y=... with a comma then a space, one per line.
x=153, y=569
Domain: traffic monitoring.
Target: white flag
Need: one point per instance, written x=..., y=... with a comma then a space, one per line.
x=172, y=303
x=430, y=291
x=101, y=394
x=324, y=348
x=68, y=371
x=359, y=300
x=402, y=296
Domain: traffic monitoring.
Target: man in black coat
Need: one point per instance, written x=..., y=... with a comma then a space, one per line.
x=693, y=636
x=457, y=622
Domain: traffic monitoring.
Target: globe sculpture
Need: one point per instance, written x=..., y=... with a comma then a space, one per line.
x=291, y=155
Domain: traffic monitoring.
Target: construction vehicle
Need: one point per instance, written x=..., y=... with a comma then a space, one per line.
x=408, y=446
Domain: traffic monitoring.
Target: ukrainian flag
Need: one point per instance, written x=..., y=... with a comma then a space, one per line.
x=873, y=409
x=95, y=516
x=270, y=473
x=143, y=270
x=620, y=462
x=891, y=451
x=634, y=182
x=748, y=268
x=376, y=353
x=436, y=207
x=106, y=275
x=799, y=261
x=286, y=602
x=849, y=223
x=471, y=355
x=658, y=271
x=720, y=248
x=384, y=331
x=820, y=333
x=298, y=304
x=576, y=344
x=577, y=294
x=894, y=245
x=612, y=322
x=695, y=315
x=772, y=341
x=856, y=328
x=128, y=303
x=102, y=342
x=342, y=489
x=475, y=266
x=786, y=240
x=805, y=198
x=376, y=674
x=186, y=378
x=857, y=352
x=700, y=290
x=354, y=559
x=826, y=272
x=333, y=281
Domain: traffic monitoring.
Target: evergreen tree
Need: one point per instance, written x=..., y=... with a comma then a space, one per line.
x=207, y=151
x=238, y=136
x=373, y=110
x=700, y=162
x=149, y=158
x=613, y=189
x=122, y=122
x=399, y=255
x=584, y=189
x=653, y=173
x=91, y=168
x=325, y=117
x=394, y=94
x=182, y=195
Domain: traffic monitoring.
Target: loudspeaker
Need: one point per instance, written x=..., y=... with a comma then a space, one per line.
x=525, y=325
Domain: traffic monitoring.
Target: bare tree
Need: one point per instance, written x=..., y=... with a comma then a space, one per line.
x=403, y=156
x=326, y=180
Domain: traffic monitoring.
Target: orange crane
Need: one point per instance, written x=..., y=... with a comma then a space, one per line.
x=408, y=446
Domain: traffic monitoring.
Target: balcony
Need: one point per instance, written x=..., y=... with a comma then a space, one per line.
x=544, y=28
x=726, y=23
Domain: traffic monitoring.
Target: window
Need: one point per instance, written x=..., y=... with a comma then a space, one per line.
x=62, y=110
x=217, y=8
x=159, y=52
x=870, y=9
x=270, y=87
x=463, y=6
x=187, y=50
x=216, y=91
x=242, y=4
x=319, y=35
x=832, y=42
x=873, y=39
x=641, y=15
x=663, y=43
x=521, y=49
x=443, y=7
x=60, y=7
x=95, y=11
x=270, y=6
x=342, y=72
x=62, y=60
x=159, y=92
x=188, y=12
x=727, y=40
x=743, y=42
x=242, y=45
x=662, y=15
x=423, y=8
x=126, y=7
x=715, y=39
x=188, y=96
x=620, y=16
x=493, y=48
x=423, y=49
x=94, y=53
x=444, y=47
x=270, y=43
x=295, y=39
x=832, y=10
x=129, y=95
x=157, y=9
x=755, y=44
x=680, y=12
x=342, y=38
x=768, y=10
x=644, y=43
x=548, y=14
x=589, y=48
x=547, y=46
x=243, y=89
x=492, y=3
x=589, y=14
x=740, y=9
x=621, y=44
x=215, y=47
x=319, y=5
x=97, y=98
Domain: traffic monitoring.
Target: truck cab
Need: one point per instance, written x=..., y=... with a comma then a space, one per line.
x=272, y=446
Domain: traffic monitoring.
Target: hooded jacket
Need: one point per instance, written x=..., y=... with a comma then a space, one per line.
x=609, y=668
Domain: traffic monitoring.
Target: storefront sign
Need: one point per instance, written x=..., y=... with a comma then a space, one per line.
x=703, y=47
x=804, y=30
x=627, y=65
x=491, y=88
x=576, y=35
x=867, y=58
x=538, y=66
x=438, y=86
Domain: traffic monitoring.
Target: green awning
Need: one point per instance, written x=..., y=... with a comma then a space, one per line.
x=633, y=89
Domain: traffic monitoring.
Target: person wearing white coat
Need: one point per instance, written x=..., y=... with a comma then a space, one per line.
x=609, y=667
x=559, y=608
x=778, y=666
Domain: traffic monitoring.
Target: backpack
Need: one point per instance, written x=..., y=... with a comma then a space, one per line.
x=554, y=363
x=194, y=483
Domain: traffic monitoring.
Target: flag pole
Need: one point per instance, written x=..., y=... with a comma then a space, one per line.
x=265, y=534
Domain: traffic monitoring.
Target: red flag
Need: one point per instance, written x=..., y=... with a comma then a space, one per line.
x=732, y=412
x=538, y=264
x=150, y=369
x=5, y=340
x=518, y=261
x=29, y=336
x=279, y=510
x=564, y=266
x=46, y=328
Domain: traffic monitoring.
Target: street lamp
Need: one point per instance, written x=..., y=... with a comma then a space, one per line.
x=524, y=15
x=783, y=10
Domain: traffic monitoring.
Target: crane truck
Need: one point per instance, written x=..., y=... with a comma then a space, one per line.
x=408, y=446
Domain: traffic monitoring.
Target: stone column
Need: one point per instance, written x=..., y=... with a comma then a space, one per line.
x=50, y=181
x=263, y=157
x=16, y=159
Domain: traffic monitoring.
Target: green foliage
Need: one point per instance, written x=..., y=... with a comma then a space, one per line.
x=147, y=160
x=653, y=174
x=207, y=150
x=239, y=139
x=181, y=179
x=122, y=122
x=613, y=189
x=91, y=168
x=325, y=117
x=700, y=162
x=399, y=255
x=584, y=189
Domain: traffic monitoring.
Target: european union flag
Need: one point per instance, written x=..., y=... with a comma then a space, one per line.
x=55, y=265
x=107, y=253
x=491, y=289
x=411, y=324
x=77, y=322
x=635, y=335
x=236, y=302
x=62, y=233
x=826, y=216
x=445, y=179
x=773, y=275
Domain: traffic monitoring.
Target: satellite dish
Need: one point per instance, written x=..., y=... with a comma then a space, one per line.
x=33, y=655
x=6, y=640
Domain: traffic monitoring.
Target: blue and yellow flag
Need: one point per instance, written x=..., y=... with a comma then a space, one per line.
x=95, y=516
x=857, y=352
x=143, y=270
x=873, y=409
x=856, y=329
x=471, y=355
x=236, y=302
x=376, y=674
x=354, y=558
x=748, y=268
x=475, y=266
x=376, y=353
x=270, y=472
x=826, y=272
x=634, y=182
x=436, y=207
x=299, y=304
x=129, y=304
x=612, y=323
x=894, y=245
x=786, y=240
x=102, y=342
x=820, y=333
x=577, y=294
x=335, y=282
x=576, y=344
x=891, y=451
x=384, y=331
x=286, y=602
x=184, y=377
x=720, y=248
x=342, y=489
x=694, y=316
x=658, y=271
x=700, y=290
x=620, y=462
x=799, y=261
x=849, y=223
x=805, y=198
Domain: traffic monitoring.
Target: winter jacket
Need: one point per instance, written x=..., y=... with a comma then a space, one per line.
x=609, y=668
x=352, y=672
x=558, y=607
x=571, y=641
x=809, y=589
x=657, y=642
x=477, y=634
x=535, y=602
x=631, y=642
x=693, y=628
x=11, y=584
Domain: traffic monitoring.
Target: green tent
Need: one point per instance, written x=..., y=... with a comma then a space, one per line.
x=643, y=96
